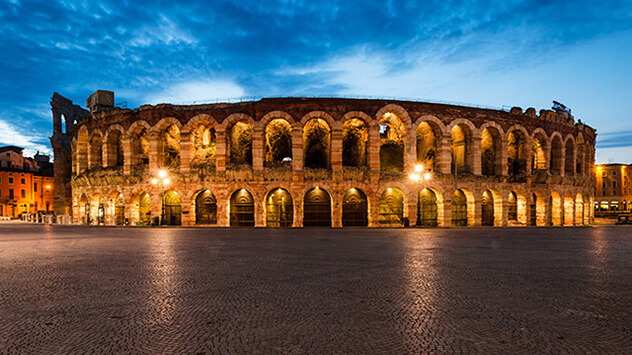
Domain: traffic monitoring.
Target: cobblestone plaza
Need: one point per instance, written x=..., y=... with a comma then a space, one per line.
x=76, y=289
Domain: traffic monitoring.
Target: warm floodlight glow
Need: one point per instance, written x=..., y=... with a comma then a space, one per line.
x=48, y=187
x=598, y=168
x=162, y=174
x=154, y=181
x=419, y=168
x=427, y=176
x=166, y=181
x=414, y=177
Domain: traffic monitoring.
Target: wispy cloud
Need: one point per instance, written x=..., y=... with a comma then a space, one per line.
x=196, y=91
x=622, y=139
x=12, y=135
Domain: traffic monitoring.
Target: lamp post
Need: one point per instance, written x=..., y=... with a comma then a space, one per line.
x=161, y=182
x=419, y=177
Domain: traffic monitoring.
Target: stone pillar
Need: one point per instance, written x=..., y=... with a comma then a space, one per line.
x=548, y=207
x=297, y=149
x=336, y=218
x=374, y=148
x=410, y=150
x=257, y=149
x=298, y=211
x=186, y=152
x=528, y=154
x=505, y=211
x=374, y=210
x=501, y=160
x=259, y=212
x=444, y=155
x=336, y=149
x=478, y=211
x=563, y=162
x=154, y=155
x=156, y=204
x=447, y=213
x=223, y=218
x=127, y=155
x=547, y=154
x=412, y=209
x=220, y=151
x=474, y=156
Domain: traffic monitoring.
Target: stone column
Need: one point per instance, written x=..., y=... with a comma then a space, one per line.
x=444, y=155
x=336, y=218
x=186, y=152
x=528, y=154
x=501, y=161
x=478, y=210
x=188, y=213
x=447, y=213
x=374, y=148
x=156, y=204
x=259, y=212
x=563, y=162
x=154, y=154
x=474, y=156
x=374, y=210
x=223, y=218
x=410, y=150
x=127, y=155
x=220, y=151
x=336, y=149
x=297, y=149
x=412, y=208
x=505, y=211
x=257, y=149
x=298, y=211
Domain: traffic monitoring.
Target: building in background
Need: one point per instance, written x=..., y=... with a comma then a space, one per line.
x=613, y=191
x=26, y=184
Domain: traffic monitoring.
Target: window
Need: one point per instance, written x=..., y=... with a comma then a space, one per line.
x=614, y=184
x=23, y=181
x=23, y=193
x=10, y=180
x=11, y=196
x=35, y=187
x=0, y=193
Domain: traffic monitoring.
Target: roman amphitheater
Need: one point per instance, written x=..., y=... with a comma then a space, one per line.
x=294, y=162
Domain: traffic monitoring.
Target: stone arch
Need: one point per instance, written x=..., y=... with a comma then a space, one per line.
x=205, y=206
x=355, y=208
x=580, y=159
x=461, y=146
x=115, y=155
x=517, y=208
x=116, y=208
x=537, y=209
x=393, y=140
x=557, y=163
x=240, y=138
x=203, y=142
x=277, y=115
x=355, y=141
x=429, y=207
x=491, y=203
x=391, y=208
x=139, y=143
x=400, y=111
x=429, y=133
x=279, y=211
x=317, y=143
x=317, y=207
x=201, y=119
x=569, y=156
x=463, y=208
x=491, y=149
x=321, y=115
x=95, y=156
x=278, y=143
x=168, y=143
x=242, y=208
x=517, y=151
x=538, y=151
x=172, y=207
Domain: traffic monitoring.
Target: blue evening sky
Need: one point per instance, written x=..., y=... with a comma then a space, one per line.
x=493, y=53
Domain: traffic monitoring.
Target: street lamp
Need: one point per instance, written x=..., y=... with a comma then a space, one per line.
x=161, y=182
x=419, y=177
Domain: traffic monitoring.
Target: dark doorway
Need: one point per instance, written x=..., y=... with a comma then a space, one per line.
x=354, y=209
x=459, y=209
x=428, y=208
x=317, y=208
x=391, y=212
x=205, y=208
x=242, y=209
x=173, y=209
x=488, y=209
x=279, y=208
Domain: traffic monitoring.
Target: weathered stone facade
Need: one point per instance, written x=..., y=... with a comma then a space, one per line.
x=329, y=161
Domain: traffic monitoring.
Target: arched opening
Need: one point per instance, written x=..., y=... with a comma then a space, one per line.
x=317, y=144
x=278, y=147
x=516, y=157
x=279, y=208
x=427, y=145
x=538, y=153
x=460, y=138
x=169, y=147
x=82, y=150
x=317, y=208
x=392, y=140
x=391, y=209
x=490, y=152
x=115, y=148
x=204, y=147
x=556, y=155
x=354, y=209
x=355, y=137
x=428, y=208
x=579, y=209
x=140, y=147
x=533, y=210
x=205, y=208
x=242, y=209
x=172, y=209
x=569, y=157
x=487, y=209
x=581, y=156
x=459, y=209
x=119, y=209
x=84, y=209
x=512, y=207
x=96, y=151
x=144, y=209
